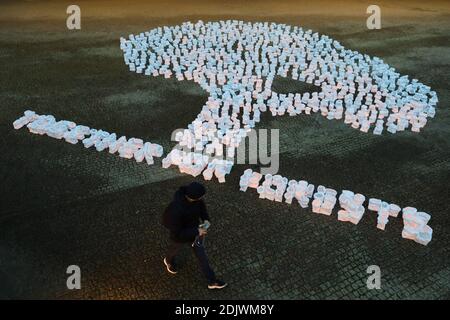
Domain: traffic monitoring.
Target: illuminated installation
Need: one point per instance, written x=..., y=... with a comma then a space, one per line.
x=236, y=62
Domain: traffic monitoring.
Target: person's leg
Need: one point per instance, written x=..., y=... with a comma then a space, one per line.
x=172, y=252
x=200, y=253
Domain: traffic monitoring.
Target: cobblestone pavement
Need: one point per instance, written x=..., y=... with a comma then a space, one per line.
x=63, y=204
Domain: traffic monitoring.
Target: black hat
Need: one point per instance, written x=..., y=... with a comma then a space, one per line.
x=195, y=190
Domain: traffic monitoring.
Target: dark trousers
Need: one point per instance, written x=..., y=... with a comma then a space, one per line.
x=200, y=253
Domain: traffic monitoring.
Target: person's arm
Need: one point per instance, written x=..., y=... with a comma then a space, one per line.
x=176, y=227
x=204, y=213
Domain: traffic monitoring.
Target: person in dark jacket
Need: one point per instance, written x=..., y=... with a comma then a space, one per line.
x=186, y=217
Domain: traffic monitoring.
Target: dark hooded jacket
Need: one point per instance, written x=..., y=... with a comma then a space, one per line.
x=182, y=217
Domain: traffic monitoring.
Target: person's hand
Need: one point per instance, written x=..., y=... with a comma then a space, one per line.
x=202, y=232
